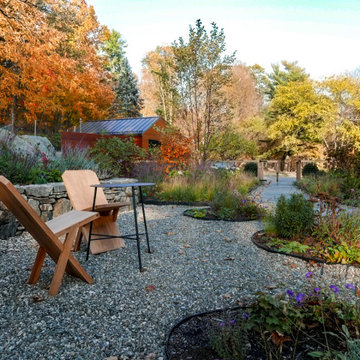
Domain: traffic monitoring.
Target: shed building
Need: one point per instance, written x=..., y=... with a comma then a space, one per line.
x=143, y=130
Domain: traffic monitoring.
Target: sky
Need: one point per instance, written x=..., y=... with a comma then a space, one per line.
x=322, y=35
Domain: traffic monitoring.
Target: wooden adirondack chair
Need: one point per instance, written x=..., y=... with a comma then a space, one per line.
x=81, y=195
x=47, y=235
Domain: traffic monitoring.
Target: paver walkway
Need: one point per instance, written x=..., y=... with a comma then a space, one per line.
x=285, y=186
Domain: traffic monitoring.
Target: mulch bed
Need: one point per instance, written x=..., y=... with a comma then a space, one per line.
x=211, y=216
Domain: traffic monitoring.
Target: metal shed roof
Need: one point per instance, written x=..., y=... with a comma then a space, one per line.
x=126, y=126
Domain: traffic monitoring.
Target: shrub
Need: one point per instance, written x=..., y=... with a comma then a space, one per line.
x=251, y=167
x=116, y=156
x=293, y=216
x=310, y=169
x=175, y=149
x=55, y=140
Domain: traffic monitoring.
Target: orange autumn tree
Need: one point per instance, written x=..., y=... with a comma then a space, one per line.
x=175, y=149
x=50, y=69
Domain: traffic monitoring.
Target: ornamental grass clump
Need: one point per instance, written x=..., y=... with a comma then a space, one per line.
x=293, y=216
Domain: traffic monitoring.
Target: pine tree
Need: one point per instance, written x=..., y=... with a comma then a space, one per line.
x=127, y=102
x=128, y=93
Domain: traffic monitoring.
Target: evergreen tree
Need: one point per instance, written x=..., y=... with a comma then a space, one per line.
x=127, y=102
x=128, y=93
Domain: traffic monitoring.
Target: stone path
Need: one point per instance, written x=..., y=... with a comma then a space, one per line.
x=275, y=189
x=271, y=192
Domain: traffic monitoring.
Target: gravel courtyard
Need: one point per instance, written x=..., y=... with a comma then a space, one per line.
x=197, y=266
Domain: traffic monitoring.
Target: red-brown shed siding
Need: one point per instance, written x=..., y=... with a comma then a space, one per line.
x=85, y=140
x=152, y=134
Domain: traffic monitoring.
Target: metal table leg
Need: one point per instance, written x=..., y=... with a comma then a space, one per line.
x=143, y=211
x=136, y=229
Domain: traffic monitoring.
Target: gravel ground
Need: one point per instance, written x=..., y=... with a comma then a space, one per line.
x=197, y=266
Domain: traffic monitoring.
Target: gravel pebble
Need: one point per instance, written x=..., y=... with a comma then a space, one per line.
x=196, y=266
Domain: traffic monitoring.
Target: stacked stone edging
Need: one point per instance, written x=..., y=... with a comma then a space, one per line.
x=51, y=200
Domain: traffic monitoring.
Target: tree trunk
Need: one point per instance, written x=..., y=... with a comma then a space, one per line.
x=13, y=115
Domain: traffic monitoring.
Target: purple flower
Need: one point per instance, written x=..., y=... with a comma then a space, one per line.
x=352, y=190
x=232, y=322
x=350, y=286
x=243, y=201
x=300, y=297
x=317, y=290
x=309, y=274
x=334, y=288
x=245, y=315
x=290, y=293
x=222, y=324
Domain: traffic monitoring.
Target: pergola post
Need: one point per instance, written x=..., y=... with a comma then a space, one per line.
x=261, y=170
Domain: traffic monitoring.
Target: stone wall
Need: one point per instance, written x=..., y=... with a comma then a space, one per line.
x=51, y=200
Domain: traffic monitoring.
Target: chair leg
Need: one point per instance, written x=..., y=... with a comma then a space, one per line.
x=62, y=262
x=77, y=243
x=36, y=269
x=115, y=214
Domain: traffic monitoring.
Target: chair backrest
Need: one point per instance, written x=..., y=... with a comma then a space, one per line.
x=27, y=216
x=81, y=195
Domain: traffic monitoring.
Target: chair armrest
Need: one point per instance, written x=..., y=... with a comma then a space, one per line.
x=108, y=207
x=64, y=223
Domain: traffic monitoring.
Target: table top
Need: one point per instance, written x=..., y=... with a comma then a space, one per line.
x=122, y=185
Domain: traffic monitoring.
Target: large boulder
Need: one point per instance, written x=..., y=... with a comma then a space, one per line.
x=27, y=144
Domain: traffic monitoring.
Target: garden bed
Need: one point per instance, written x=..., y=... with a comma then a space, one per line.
x=281, y=327
x=208, y=214
x=153, y=201
x=265, y=242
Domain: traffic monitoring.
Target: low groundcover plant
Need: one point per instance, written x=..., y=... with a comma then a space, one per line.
x=319, y=321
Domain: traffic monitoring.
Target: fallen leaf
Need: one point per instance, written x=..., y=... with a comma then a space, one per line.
x=37, y=298
x=230, y=258
x=227, y=240
x=218, y=230
x=240, y=302
x=278, y=338
x=150, y=287
x=181, y=252
x=170, y=233
x=312, y=326
x=150, y=356
x=187, y=246
x=271, y=286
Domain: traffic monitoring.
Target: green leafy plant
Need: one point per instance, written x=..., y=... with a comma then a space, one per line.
x=289, y=247
x=251, y=167
x=293, y=216
x=229, y=338
x=310, y=169
x=325, y=318
x=116, y=156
